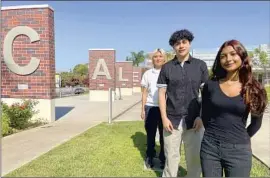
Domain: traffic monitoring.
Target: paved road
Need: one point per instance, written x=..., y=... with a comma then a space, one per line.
x=67, y=91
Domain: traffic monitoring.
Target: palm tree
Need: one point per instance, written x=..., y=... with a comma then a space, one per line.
x=136, y=58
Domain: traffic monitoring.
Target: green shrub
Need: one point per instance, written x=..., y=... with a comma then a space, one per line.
x=21, y=113
x=4, y=107
x=6, y=129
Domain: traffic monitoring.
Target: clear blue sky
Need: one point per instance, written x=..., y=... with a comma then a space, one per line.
x=138, y=25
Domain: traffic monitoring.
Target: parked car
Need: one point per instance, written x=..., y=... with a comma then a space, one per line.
x=79, y=91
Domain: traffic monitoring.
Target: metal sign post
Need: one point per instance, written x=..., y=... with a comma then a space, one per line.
x=110, y=106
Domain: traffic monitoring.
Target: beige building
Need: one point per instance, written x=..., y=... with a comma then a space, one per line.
x=209, y=55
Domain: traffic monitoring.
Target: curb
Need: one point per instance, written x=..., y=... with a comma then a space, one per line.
x=258, y=159
x=126, y=110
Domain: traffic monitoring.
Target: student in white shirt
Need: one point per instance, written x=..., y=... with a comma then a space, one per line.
x=150, y=108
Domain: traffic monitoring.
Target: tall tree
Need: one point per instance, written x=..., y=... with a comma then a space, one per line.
x=170, y=55
x=81, y=69
x=65, y=78
x=260, y=59
x=136, y=58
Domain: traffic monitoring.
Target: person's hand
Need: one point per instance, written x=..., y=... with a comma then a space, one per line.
x=197, y=125
x=143, y=115
x=167, y=125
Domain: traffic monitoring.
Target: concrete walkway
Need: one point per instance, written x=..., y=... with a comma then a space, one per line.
x=75, y=115
x=260, y=142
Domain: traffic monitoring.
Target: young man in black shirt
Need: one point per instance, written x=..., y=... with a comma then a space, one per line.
x=179, y=82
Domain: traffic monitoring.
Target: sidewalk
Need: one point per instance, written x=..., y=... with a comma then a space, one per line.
x=260, y=142
x=76, y=114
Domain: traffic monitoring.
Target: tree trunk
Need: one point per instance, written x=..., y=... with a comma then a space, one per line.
x=266, y=76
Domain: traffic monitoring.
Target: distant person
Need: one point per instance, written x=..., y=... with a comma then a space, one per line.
x=227, y=100
x=179, y=83
x=150, y=110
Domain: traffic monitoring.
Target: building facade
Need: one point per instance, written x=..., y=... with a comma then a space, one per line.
x=209, y=55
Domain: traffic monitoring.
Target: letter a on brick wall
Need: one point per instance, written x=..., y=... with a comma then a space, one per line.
x=101, y=63
x=8, y=46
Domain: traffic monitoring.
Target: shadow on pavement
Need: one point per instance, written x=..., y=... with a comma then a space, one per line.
x=60, y=111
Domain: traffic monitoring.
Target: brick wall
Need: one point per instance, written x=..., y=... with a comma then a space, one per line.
x=101, y=82
x=127, y=69
x=41, y=83
x=137, y=76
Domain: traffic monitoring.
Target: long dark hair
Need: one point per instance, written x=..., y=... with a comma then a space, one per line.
x=253, y=92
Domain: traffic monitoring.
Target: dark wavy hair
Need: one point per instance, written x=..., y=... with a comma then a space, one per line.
x=180, y=35
x=253, y=92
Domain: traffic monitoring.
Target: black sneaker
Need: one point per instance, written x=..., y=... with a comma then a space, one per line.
x=149, y=162
x=162, y=164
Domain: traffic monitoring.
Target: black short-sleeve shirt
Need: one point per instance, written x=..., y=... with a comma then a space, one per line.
x=183, y=84
x=225, y=117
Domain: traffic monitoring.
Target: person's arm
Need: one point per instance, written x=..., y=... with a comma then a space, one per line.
x=144, y=86
x=162, y=88
x=255, y=124
x=204, y=77
x=162, y=83
x=162, y=102
x=144, y=97
x=205, y=73
x=205, y=104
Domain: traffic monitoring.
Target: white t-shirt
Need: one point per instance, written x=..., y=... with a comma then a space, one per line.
x=149, y=81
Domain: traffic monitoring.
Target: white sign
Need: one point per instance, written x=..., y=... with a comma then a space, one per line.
x=22, y=86
x=8, y=47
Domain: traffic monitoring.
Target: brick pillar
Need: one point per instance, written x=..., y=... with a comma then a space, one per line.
x=124, y=78
x=137, y=76
x=28, y=68
x=101, y=73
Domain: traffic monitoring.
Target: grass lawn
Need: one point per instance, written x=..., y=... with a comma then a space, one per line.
x=268, y=92
x=105, y=150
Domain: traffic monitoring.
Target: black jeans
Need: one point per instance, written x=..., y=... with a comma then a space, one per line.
x=152, y=122
x=234, y=159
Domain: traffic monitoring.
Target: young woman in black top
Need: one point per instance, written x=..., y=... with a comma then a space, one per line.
x=227, y=100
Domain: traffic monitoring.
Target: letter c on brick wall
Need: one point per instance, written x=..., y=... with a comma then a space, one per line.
x=8, y=46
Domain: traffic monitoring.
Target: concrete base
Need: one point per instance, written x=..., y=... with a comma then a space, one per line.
x=137, y=90
x=100, y=95
x=124, y=91
x=45, y=108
